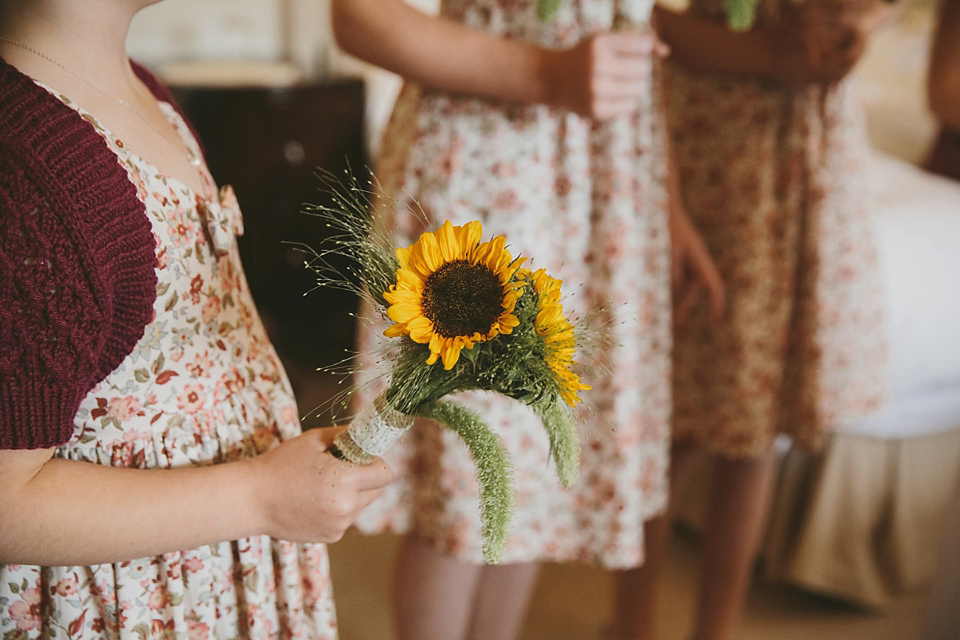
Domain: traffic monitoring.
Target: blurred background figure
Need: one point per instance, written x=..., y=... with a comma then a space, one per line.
x=772, y=155
x=550, y=133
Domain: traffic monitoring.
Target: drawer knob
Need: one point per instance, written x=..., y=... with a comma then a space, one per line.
x=294, y=153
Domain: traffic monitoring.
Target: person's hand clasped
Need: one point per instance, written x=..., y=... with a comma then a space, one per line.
x=307, y=495
x=817, y=43
x=605, y=75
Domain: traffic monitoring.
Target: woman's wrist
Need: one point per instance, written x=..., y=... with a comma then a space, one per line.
x=249, y=480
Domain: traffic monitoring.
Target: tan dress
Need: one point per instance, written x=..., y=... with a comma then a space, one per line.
x=774, y=179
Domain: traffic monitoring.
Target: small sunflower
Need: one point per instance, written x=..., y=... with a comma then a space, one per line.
x=557, y=334
x=453, y=291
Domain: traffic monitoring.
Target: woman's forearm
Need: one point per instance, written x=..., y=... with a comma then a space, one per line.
x=437, y=52
x=66, y=512
x=711, y=47
x=69, y=512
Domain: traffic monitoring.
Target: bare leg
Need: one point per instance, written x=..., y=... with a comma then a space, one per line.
x=502, y=600
x=635, y=590
x=433, y=594
x=739, y=501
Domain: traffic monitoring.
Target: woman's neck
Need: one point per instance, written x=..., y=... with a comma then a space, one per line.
x=86, y=38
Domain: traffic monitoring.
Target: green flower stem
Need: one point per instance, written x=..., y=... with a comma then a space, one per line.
x=564, y=442
x=494, y=472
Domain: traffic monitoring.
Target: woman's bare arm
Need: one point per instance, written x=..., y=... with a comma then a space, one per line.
x=798, y=51
x=65, y=512
x=601, y=77
x=711, y=47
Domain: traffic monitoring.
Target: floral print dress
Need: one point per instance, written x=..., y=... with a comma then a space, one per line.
x=202, y=386
x=586, y=201
x=775, y=181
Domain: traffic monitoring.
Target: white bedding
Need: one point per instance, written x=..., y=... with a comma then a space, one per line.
x=918, y=233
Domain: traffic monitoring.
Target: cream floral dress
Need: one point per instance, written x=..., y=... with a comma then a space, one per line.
x=202, y=386
x=586, y=201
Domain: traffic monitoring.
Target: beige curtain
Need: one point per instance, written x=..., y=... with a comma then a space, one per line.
x=861, y=521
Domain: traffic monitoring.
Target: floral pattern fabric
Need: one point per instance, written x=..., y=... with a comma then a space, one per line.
x=775, y=181
x=202, y=386
x=586, y=201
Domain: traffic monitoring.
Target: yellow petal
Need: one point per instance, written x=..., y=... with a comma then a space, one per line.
x=436, y=343
x=450, y=357
x=404, y=312
x=409, y=280
x=421, y=330
x=403, y=256
x=469, y=235
x=395, y=331
x=447, y=241
x=430, y=252
x=509, y=320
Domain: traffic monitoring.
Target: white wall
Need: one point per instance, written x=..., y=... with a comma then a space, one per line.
x=245, y=30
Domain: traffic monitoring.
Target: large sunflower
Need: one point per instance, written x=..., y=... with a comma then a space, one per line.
x=453, y=291
x=557, y=334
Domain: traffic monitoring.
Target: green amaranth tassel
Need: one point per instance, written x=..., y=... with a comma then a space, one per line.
x=494, y=472
x=564, y=443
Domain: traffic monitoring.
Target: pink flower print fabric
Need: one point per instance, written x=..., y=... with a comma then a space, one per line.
x=202, y=386
x=775, y=181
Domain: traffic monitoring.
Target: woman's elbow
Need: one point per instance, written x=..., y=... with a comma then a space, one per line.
x=348, y=24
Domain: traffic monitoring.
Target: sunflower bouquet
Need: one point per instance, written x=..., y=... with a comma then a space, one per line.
x=466, y=315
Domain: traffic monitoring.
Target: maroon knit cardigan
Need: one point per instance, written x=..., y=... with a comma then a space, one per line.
x=77, y=262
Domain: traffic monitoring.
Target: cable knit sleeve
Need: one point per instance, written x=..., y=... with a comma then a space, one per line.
x=52, y=322
x=77, y=263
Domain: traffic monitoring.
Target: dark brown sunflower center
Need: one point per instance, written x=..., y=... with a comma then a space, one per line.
x=462, y=298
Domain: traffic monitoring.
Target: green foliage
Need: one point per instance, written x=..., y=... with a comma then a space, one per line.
x=740, y=13
x=547, y=9
x=494, y=471
x=564, y=443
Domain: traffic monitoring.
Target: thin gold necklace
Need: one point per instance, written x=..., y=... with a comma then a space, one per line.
x=180, y=145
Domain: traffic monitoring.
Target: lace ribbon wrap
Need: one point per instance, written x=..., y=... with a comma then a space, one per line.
x=372, y=432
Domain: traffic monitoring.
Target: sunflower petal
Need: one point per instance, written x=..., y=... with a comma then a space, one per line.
x=421, y=330
x=450, y=357
x=401, y=312
x=469, y=235
x=430, y=252
x=448, y=242
x=403, y=256
x=395, y=331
